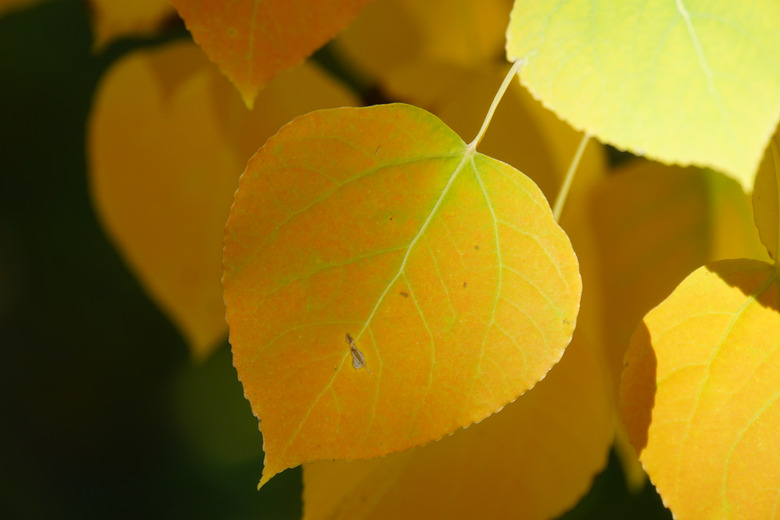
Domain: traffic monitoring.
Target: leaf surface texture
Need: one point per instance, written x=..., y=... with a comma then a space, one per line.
x=682, y=81
x=700, y=394
x=444, y=266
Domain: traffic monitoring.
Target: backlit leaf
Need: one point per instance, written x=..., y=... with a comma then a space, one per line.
x=445, y=266
x=112, y=18
x=701, y=393
x=507, y=466
x=765, y=197
x=168, y=138
x=253, y=40
x=683, y=81
x=654, y=224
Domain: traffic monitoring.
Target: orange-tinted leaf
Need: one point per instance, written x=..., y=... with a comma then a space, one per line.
x=766, y=192
x=168, y=138
x=533, y=460
x=112, y=19
x=444, y=266
x=252, y=41
x=700, y=393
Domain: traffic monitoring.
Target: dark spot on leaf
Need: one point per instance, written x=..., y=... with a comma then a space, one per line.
x=464, y=285
x=405, y=295
x=476, y=247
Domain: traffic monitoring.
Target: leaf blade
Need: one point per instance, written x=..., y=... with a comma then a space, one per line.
x=684, y=82
x=252, y=41
x=373, y=249
x=700, y=392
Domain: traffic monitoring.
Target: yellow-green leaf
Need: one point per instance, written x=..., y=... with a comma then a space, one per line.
x=253, y=41
x=766, y=193
x=700, y=394
x=168, y=138
x=377, y=237
x=112, y=19
x=682, y=81
x=507, y=466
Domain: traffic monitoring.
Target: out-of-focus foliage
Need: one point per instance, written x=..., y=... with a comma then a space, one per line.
x=253, y=41
x=169, y=137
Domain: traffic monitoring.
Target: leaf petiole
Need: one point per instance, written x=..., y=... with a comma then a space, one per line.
x=564, y=193
x=776, y=164
x=496, y=100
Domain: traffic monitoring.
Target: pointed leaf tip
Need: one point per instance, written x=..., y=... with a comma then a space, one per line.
x=253, y=41
x=445, y=268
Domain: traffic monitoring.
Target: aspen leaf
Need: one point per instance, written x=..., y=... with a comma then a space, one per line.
x=112, y=19
x=444, y=266
x=684, y=81
x=253, y=40
x=765, y=197
x=507, y=466
x=653, y=225
x=168, y=138
x=700, y=390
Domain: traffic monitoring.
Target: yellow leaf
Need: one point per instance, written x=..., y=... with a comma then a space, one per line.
x=112, y=18
x=168, y=138
x=378, y=230
x=253, y=41
x=653, y=225
x=684, y=81
x=507, y=466
x=765, y=197
x=391, y=38
x=700, y=393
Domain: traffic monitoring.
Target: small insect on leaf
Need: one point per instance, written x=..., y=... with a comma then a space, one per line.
x=358, y=360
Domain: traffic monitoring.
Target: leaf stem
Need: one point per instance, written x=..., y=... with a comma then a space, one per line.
x=776, y=164
x=496, y=100
x=564, y=193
